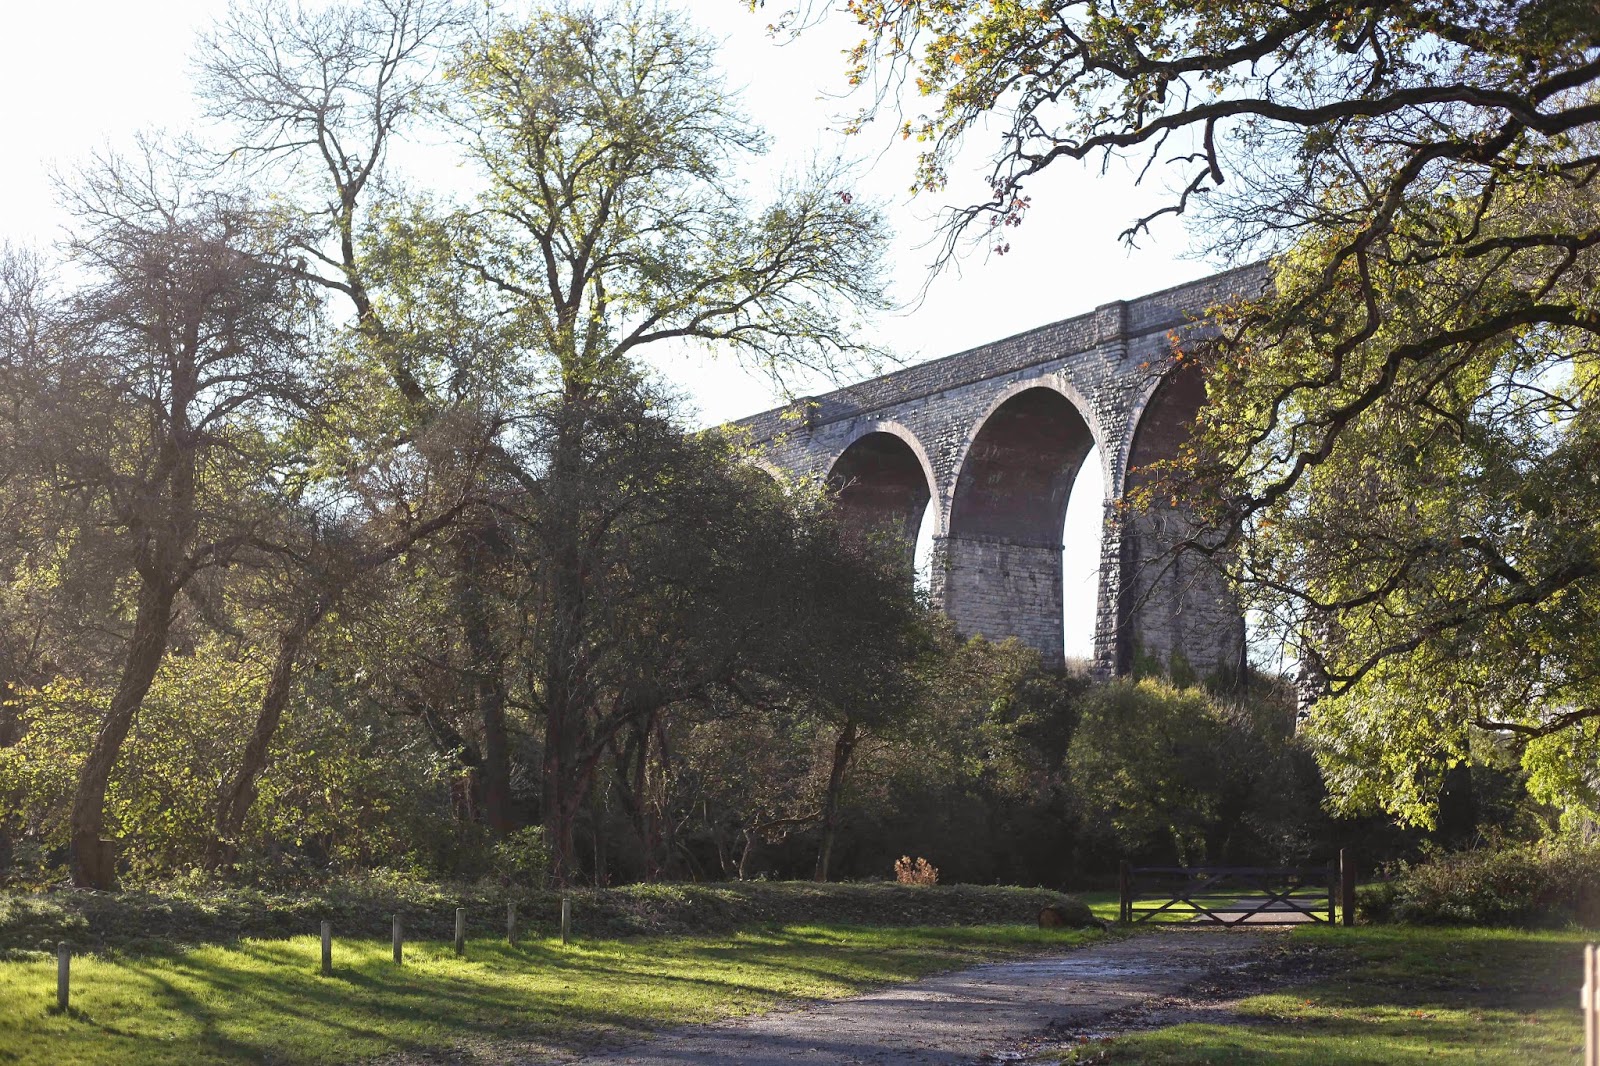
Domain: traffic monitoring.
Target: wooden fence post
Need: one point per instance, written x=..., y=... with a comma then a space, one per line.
x=1591, y=1005
x=327, y=949
x=1347, y=887
x=63, y=976
x=511, y=923
x=1125, y=891
x=461, y=930
x=566, y=920
x=397, y=935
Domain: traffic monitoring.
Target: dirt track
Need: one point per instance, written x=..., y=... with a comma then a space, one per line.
x=979, y=1015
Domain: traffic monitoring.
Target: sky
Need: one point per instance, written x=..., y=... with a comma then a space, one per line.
x=79, y=75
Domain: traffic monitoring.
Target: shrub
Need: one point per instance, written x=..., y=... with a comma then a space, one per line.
x=921, y=872
x=523, y=858
x=31, y=924
x=1169, y=774
x=1530, y=885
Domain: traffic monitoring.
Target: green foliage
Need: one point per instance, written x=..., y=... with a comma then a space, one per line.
x=523, y=858
x=975, y=780
x=1551, y=884
x=1397, y=454
x=1183, y=775
x=161, y=795
x=194, y=911
x=344, y=792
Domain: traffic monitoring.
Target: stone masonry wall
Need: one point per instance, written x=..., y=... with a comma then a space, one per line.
x=1107, y=363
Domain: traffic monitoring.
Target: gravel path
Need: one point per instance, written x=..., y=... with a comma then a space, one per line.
x=973, y=1016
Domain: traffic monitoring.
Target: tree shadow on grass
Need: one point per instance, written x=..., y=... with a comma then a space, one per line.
x=260, y=1000
x=1414, y=996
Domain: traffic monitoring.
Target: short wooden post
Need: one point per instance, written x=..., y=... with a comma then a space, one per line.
x=1591, y=1005
x=511, y=923
x=1125, y=891
x=566, y=920
x=63, y=976
x=461, y=930
x=1347, y=887
x=327, y=949
x=108, y=860
x=1333, y=891
x=397, y=934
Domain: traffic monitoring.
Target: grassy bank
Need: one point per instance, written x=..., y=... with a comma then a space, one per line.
x=192, y=914
x=260, y=1001
x=1409, y=995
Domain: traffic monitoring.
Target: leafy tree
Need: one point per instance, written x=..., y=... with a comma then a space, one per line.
x=317, y=97
x=167, y=380
x=612, y=220
x=1175, y=772
x=1398, y=439
x=329, y=565
x=976, y=780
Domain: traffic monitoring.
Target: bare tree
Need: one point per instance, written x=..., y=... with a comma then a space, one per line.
x=172, y=374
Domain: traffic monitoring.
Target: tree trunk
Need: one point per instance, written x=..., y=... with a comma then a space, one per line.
x=10, y=715
x=563, y=654
x=560, y=805
x=486, y=684
x=10, y=734
x=843, y=748
x=745, y=855
x=239, y=793
x=563, y=798
x=1458, y=808
x=91, y=865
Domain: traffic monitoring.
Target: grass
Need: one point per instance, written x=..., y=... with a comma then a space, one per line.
x=1411, y=995
x=261, y=1000
x=186, y=913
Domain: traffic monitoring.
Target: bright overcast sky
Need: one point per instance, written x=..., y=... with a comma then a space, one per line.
x=80, y=74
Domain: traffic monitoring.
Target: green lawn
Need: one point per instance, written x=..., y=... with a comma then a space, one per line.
x=263, y=999
x=1412, y=995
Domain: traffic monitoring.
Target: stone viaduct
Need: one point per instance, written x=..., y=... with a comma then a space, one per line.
x=995, y=437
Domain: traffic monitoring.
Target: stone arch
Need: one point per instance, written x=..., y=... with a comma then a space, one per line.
x=1059, y=383
x=883, y=480
x=772, y=470
x=1175, y=610
x=1160, y=422
x=1001, y=553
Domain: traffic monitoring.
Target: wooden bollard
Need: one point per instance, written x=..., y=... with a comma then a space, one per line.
x=566, y=920
x=461, y=930
x=63, y=976
x=1591, y=1005
x=511, y=924
x=327, y=949
x=1347, y=887
x=397, y=934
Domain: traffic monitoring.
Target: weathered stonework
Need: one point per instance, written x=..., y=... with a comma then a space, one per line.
x=995, y=436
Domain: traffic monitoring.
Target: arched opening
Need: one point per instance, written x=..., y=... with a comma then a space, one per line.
x=882, y=487
x=1176, y=613
x=1003, y=550
x=1082, y=535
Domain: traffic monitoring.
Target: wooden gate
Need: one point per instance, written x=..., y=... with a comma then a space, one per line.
x=1231, y=895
